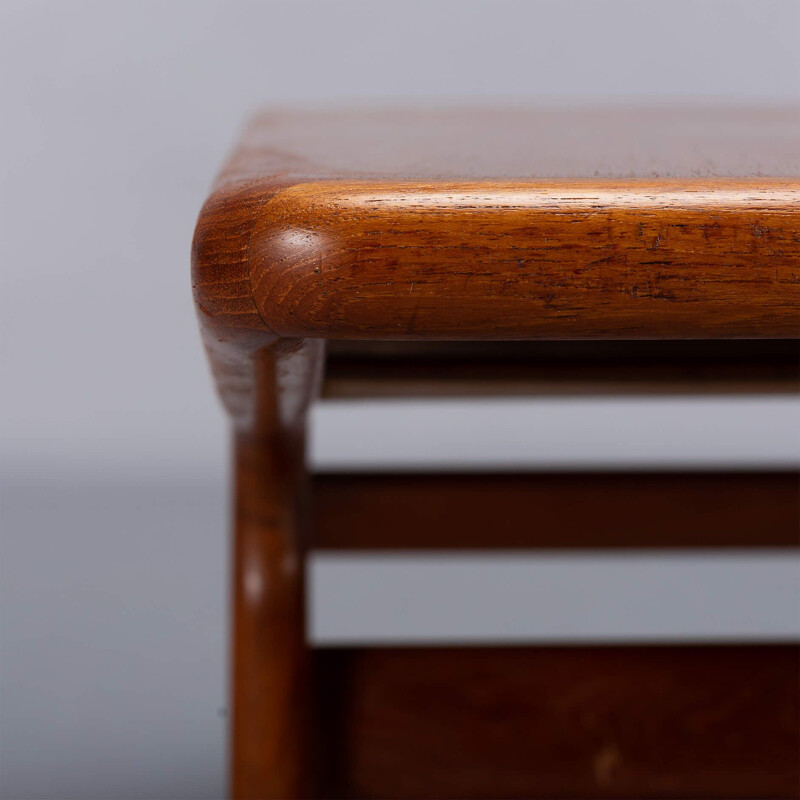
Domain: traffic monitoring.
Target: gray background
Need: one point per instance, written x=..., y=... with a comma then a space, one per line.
x=115, y=116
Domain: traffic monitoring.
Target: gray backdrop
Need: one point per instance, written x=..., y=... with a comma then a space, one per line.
x=115, y=116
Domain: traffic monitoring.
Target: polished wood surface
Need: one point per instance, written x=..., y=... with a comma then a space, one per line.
x=521, y=143
x=549, y=259
x=565, y=722
x=267, y=384
x=569, y=510
x=356, y=369
x=272, y=718
x=343, y=225
x=492, y=225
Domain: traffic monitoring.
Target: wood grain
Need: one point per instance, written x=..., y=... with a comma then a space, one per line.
x=341, y=224
x=267, y=384
x=495, y=224
x=569, y=510
x=590, y=259
x=588, y=722
x=271, y=715
x=525, y=142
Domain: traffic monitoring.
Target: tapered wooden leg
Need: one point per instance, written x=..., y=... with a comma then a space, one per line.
x=271, y=684
x=272, y=688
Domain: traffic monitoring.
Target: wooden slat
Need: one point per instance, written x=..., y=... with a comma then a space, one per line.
x=595, y=510
x=451, y=369
x=649, y=722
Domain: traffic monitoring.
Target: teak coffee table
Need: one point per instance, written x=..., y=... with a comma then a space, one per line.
x=491, y=252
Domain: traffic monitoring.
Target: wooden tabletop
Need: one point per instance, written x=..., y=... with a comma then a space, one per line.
x=507, y=224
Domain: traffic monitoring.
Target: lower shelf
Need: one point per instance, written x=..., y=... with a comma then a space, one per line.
x=590, y=722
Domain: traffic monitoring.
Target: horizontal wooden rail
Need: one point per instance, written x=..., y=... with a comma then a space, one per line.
x=549, y=259
x=452, y=369
x=644, y=722
x=595, y=510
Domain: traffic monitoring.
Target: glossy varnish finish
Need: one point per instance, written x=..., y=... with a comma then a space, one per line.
x=505, y=143
x=561, y=259
x=272, y=717
x=506, y=224
x=502, y=224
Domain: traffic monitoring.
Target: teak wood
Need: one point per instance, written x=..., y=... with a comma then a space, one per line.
x=561, y=259
x=272, y=713
x=462, y=227
x=339, y=226
x=561, y=722
x=555, y=511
